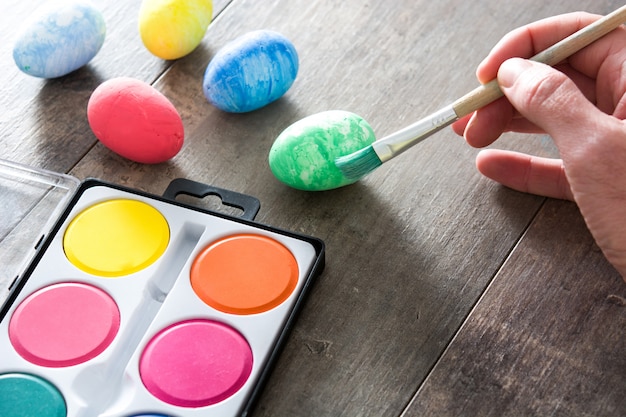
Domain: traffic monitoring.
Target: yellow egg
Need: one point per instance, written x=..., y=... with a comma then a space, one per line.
x=171, y=29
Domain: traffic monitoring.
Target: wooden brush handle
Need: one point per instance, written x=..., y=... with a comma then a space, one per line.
x=487, y=93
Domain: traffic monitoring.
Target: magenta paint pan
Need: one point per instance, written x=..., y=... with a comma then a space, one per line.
x=141, y=305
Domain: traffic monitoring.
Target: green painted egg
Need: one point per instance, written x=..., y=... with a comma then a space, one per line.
x=303, y=156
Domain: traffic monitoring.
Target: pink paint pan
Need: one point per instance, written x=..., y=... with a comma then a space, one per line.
x=140, y=305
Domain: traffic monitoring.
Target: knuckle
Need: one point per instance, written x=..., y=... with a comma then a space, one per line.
x=547, y=87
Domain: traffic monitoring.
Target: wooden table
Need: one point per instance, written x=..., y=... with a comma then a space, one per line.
x=443, y=293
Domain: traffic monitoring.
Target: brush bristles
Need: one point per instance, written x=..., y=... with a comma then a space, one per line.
x=359, y=163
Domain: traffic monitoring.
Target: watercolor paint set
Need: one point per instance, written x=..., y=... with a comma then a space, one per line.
x=135, y=304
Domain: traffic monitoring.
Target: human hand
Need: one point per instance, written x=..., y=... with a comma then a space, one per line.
x=581, y=104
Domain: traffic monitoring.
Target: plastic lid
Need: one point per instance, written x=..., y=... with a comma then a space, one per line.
x=30, y=201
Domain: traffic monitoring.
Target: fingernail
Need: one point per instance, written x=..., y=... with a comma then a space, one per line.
x=469, y=126
x=510, y=70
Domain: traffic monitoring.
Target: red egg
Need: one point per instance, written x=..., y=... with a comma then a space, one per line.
x=134, y=120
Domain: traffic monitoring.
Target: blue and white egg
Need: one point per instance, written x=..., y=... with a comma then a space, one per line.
x=60, y=38
x=251, y=71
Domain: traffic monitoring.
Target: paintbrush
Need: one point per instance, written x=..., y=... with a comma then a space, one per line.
x=360, y=163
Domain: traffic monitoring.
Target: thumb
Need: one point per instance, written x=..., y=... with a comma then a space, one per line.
x=592, y=145
x=550, y=100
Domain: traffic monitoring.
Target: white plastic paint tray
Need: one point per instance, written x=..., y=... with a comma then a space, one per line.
x=139, y=305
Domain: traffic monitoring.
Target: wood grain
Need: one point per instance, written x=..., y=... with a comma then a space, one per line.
x=546, y=339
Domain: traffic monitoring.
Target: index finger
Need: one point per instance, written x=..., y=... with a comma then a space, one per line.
x=528, y=40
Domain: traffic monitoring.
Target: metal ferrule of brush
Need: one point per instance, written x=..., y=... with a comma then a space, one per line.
x=400, y=141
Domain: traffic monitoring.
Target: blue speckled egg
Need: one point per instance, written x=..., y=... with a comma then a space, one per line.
x=60, y=38
x=251, y=72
